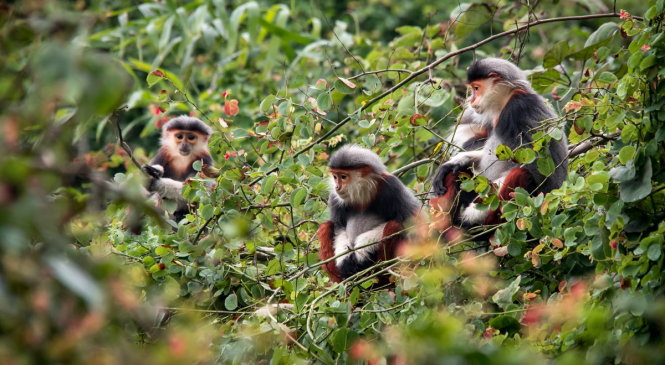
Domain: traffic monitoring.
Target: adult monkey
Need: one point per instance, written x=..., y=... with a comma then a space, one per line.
x=368, y=209
x=502, y=97
x=184, y=141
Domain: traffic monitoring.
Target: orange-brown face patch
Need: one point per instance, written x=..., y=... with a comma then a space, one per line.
x=477, y=91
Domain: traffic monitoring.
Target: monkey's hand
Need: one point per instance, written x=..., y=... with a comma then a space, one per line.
x=439, y=185
x=154, y=171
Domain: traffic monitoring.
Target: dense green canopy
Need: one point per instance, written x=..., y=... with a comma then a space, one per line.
x=92, y=271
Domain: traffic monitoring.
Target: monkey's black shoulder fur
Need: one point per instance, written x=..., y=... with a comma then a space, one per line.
x=519, y=119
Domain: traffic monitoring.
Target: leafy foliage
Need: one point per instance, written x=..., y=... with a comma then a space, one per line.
x=91, y=271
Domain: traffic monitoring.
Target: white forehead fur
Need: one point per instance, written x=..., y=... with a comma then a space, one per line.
x=509, y=72
x=506, y=69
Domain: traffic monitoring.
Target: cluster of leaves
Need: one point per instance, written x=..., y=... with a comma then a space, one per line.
x=90, y=269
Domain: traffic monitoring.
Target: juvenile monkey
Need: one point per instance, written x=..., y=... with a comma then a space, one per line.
x=184, y=140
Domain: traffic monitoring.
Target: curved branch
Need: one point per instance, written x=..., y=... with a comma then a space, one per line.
x=580, y=148
x=412, y=165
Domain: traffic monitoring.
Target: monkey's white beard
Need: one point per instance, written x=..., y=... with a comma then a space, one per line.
x=342, y=244
x=494, y=100
x=359, y=192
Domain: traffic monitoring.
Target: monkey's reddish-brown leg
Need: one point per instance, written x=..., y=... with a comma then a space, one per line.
x=390, y=247
x=326, y=235
x=444, y=203
x=443, y=206
x=518, y=177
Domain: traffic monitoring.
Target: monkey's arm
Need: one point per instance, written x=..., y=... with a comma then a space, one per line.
x=326, y=235
x=461, y=161
x=165, y=187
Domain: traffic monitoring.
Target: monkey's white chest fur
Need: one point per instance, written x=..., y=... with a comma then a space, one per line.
x=346, y=241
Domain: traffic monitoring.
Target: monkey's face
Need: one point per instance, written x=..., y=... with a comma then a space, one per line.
x=186, y=142
x=355, y=187
x=478, y=97
x=341, y=178
x=489, y=96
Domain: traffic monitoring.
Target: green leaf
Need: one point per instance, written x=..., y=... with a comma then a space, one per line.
x=504, y=297
x=556, y=55
x=627, y=153
x=197, y=165
x=503, y=152
x=654, y=251
x=598, y=39
x=207, y=211
x=298, y=196
x=153, y=79
x=436, y=98
x=79, y=281
x=648, y=61
x=285, y=34
x=162, y=251
x=524, y=155
x=599, y=178
x=284, y=107
x=343, y=87
x=267, y=104
x=638, y=187
x=545, y=165
x=274, y=267
x=607, y=77
x=342, y=338
x=324, y=101
x=231, y=302
x=505, y=324
x=514, y=249
x=600, y=248
x=268, y=184
x=624, y=173
x=469, y=17
x=604, y=32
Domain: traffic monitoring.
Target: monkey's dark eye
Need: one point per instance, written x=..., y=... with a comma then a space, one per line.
x=178, y=136
x=343, y=177
x=191, y=137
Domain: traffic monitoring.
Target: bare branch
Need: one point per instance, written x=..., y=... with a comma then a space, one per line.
x=412, y=165
x=115, y=119
x=580, y=148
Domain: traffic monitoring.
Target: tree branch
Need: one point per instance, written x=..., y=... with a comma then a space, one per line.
x=115, y=119
x=412, y=165
x=580, y=148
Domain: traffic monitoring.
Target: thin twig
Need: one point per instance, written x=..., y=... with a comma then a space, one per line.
x=580, y=148
x=115, y=119
x=412, y=165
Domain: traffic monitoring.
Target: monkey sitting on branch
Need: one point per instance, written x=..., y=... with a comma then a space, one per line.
x=368, y=209
x=184, y=140
x=502, y=99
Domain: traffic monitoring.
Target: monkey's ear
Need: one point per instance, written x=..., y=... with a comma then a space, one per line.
x=493, y=74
